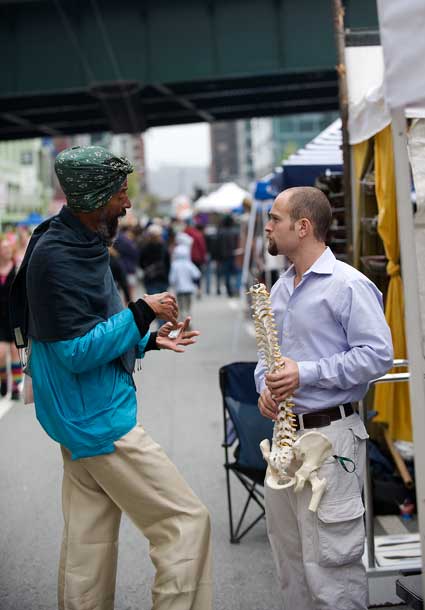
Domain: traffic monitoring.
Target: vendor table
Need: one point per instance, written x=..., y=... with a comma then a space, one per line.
x=383, y=574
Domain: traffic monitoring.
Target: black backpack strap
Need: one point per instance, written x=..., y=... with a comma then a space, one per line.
x=18, y=300
x=18, y=307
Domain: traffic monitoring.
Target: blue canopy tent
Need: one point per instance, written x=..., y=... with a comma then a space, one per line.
x=270, y=186
x=323, y=154
x=305, y=175
x=33, y=219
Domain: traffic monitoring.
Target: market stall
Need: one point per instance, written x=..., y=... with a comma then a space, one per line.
x=384, y=89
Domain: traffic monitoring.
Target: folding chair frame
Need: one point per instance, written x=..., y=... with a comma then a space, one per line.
x=251, y=485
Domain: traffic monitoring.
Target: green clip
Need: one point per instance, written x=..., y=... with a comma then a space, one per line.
x=342, y=461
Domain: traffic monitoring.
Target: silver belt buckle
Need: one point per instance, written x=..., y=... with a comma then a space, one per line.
x=300, y=421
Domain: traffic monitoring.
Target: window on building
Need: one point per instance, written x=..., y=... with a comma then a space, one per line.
x=26, y=157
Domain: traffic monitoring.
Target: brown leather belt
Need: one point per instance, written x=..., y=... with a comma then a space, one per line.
x=323, y=418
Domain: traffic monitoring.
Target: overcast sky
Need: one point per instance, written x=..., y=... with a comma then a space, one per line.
x=178, y=145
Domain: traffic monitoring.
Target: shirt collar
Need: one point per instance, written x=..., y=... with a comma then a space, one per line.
x=324, y=265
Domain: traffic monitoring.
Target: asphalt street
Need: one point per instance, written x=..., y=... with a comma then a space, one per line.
x=180, y=406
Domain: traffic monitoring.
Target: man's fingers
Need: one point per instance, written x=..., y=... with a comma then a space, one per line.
x=284, y=395
x=268, y=409
x=277, y=380
x=277, y=395
x=191, y=333
x=186, y=342
x=268, y=412
x=171, y=311
x=169, y=316
x=281, y=386
x=270, y=404
x=185, y=324
x=268, y=400
x=275, y=376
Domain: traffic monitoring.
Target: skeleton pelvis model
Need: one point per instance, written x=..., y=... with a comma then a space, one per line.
x=291, y=461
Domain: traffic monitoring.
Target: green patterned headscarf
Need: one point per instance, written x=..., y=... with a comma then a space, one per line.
x=89, y=176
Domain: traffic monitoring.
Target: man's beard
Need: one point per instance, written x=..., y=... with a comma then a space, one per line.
x=108, y=228
x=272, y=248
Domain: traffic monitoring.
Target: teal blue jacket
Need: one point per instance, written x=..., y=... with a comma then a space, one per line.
x=84, y=399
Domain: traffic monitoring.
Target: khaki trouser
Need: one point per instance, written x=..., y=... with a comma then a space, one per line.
x=319, y=555
x=140, y=480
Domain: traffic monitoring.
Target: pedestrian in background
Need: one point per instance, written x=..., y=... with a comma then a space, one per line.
x=8, y=350
x=184, y=275
x=227, y=242
x=125, y=245
x=22, y=238
x=119, y=275
x=154, y=260
x=211, y=266
x=198, y=251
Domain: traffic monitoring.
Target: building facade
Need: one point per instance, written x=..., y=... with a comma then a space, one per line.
x=25, y=177
x=246, y=150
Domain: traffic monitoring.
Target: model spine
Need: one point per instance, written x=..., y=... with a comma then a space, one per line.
x=308, y=451
x=284, y=430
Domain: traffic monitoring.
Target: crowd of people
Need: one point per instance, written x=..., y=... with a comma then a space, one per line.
x=190, y=258
x=12, y=248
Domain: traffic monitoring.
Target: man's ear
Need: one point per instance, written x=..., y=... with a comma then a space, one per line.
x=304, y=227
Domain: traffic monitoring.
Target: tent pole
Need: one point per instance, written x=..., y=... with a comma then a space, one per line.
x=248, y=249
x=267, y=272
x=412, y=311
x=338, y=11
x=244, y=278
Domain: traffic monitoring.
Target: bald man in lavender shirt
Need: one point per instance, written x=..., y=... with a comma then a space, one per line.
x=333, y=334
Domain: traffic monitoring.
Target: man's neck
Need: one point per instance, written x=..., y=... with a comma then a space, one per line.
x=88, y=219
x=306, y=258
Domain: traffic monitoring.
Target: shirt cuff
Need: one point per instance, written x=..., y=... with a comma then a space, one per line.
x=308, y=372
x=261, y=385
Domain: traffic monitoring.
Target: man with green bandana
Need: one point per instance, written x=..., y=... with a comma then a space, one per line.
x=82, y=346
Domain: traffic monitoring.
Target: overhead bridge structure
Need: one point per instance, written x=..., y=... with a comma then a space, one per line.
x=78, y=66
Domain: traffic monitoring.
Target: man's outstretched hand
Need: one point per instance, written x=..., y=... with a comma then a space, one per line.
x=180, y=336
x=164, y=306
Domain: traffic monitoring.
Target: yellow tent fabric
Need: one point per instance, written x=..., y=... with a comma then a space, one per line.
x=391, y=399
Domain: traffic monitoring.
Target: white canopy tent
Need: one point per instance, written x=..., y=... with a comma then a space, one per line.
x=224, y=200
x=402, y=27
x=319, y=156
x=386, y=84
x=323, y=149
x=369, y=113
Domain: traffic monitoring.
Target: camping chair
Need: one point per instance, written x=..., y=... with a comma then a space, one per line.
x=244, y=429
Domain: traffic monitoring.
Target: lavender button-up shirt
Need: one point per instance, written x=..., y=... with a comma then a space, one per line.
x=332, y=324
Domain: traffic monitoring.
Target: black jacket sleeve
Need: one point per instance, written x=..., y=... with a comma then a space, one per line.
x=143, y=315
